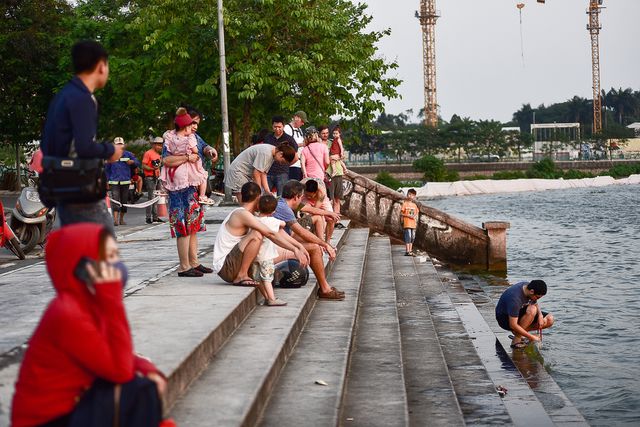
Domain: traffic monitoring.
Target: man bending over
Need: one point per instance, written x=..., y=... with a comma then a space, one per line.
x=518, y=311
x=240, y=237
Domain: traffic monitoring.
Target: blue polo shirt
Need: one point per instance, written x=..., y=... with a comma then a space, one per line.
x=73, y=115
x=284, y=213
x=512, y=300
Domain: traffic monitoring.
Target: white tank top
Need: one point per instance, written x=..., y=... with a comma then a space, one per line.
x=225, y=241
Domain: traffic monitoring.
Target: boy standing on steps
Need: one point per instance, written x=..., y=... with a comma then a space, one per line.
x=409, y=212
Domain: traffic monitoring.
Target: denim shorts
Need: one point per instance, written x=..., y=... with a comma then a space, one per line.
x=409, y=235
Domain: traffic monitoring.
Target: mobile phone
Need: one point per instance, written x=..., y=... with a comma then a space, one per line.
x=81, y=271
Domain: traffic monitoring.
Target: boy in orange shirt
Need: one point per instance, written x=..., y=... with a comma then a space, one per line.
x=409, y=214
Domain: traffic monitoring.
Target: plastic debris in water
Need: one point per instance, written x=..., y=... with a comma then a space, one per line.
x=321, y=382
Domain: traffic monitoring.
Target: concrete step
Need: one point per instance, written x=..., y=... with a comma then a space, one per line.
x=320, y=357
x=560, y=409
x=476, y=393
x=521, y=403
x=375, y=385
x=235, y=386
x=430, y=393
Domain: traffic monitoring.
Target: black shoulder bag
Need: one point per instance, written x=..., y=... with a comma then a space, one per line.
x=71, y=180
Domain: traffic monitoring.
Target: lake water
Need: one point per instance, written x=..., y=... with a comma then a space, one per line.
x=583, y=243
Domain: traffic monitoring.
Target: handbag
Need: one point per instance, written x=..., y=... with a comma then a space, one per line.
x=327, y=177
x=71, y=180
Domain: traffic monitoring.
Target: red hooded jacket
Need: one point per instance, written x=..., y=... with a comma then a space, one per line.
x=81, y=337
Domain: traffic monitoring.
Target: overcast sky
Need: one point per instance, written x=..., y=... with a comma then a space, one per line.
x=480, y=72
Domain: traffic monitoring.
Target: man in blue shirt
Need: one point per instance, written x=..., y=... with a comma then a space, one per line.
x=292, y=193
x=71, y=126
x=119, y=179
x=518, y=311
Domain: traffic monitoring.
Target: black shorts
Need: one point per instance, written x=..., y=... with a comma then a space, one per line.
x=503, y=319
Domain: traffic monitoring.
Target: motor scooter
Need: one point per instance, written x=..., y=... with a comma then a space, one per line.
x=7, y=236
x=31, y=219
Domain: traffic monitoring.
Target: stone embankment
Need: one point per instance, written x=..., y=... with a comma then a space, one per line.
x=443, y=236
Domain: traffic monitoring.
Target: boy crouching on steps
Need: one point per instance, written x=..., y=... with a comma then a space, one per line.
x=266, y=206
x=409, y=214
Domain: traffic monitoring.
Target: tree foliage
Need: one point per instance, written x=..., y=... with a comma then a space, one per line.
x=31, y=46
x=282, y=56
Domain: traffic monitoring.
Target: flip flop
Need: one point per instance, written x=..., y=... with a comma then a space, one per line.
x=246, y=283
x=519, y=345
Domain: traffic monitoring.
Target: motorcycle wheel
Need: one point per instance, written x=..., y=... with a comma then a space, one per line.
x=14, y=246
x=29, y=237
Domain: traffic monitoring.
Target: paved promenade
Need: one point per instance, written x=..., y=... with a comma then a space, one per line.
x=149, y=253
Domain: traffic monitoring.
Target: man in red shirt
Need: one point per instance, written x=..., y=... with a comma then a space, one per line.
x=151, y=162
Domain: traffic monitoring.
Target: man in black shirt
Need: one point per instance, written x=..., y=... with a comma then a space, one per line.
x=71, y=126
x=278, y=175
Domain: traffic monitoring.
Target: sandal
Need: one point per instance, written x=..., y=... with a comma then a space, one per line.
x=246, y=283
x=192, y=272
x=204, y=200
x=337, y=290
x=334, y=294
x=202, y=269
x=275, y=302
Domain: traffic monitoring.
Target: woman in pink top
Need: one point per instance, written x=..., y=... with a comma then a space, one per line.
x=180, y=142
x=314, y=157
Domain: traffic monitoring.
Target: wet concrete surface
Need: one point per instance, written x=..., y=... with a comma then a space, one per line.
x=477, y=396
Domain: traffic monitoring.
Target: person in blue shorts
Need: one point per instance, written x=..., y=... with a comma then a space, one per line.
x=518, y=311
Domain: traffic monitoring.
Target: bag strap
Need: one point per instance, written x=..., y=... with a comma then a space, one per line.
x=315, y=158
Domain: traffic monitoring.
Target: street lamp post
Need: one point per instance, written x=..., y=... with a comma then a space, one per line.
x=223, y=100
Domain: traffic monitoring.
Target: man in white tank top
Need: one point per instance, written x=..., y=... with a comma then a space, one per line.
x=239, y=239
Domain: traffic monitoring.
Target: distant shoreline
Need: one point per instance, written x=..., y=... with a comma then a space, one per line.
x=489, y=186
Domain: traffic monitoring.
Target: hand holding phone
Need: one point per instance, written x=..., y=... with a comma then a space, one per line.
x=92, y=272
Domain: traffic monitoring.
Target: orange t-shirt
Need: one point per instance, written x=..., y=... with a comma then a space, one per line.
x=409, y=208
x=150, y=156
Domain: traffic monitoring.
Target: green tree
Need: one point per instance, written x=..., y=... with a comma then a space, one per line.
x=524, y=118
x=280, y=57
x=434, y=169
x=30, y=48
x=489, y=139
x=621, y=101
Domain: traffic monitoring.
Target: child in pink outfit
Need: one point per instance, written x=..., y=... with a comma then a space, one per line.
x=180, y=142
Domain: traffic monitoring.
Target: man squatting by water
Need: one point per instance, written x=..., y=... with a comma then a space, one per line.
x=518, y=311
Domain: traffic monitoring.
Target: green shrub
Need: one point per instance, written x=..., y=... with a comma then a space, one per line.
x=415, y=184
x=387, y=180
x=622, y=171
x=545, y=168
x=575, y=174
x=509, y=175
x=434, y=169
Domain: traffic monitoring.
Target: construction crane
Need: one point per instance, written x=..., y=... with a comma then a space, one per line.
x=594, y=28
x=428, y=16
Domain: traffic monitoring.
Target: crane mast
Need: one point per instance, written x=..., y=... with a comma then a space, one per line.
x=428, y=16
x=594, y=30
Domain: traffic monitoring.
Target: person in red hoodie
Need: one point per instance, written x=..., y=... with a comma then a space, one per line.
x=79, y=367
